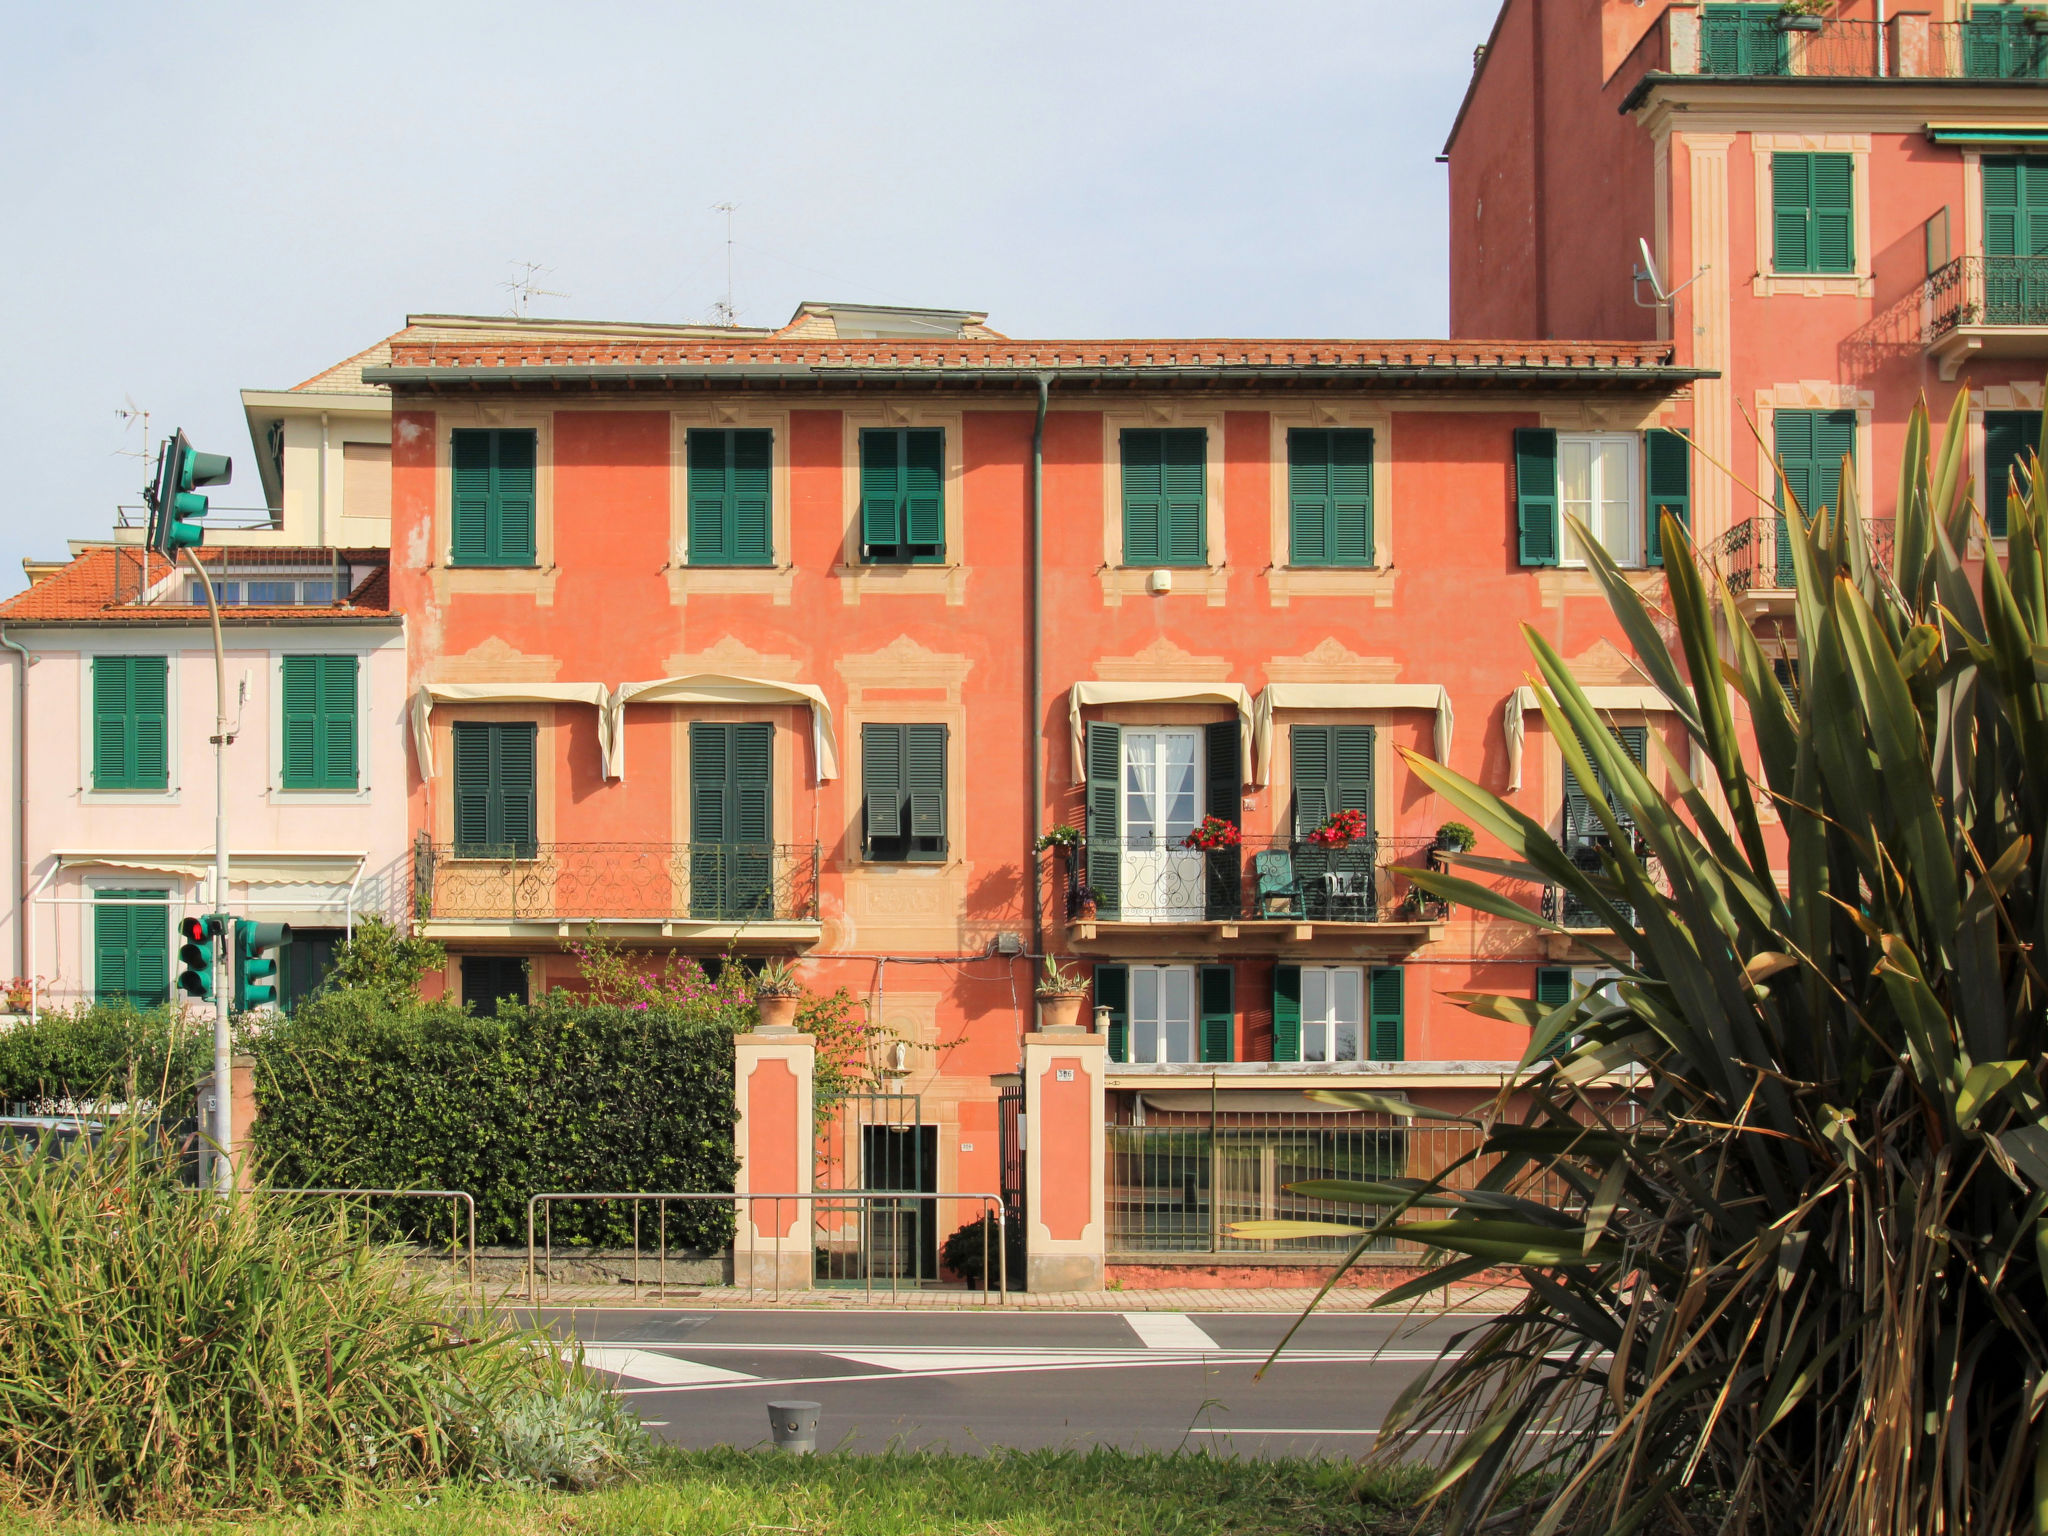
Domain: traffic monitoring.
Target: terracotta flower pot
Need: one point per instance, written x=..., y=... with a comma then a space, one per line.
x=776, y=1012
x=1059, y=1010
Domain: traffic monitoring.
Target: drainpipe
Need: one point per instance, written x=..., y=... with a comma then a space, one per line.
x=323, y=479
x=22, y=957
x=1034, y=705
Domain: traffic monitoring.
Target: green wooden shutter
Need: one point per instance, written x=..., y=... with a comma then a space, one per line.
x=1720, y=41
x=1219, y=1012
x=1742, y=40
x=1834, y=214
x=752, y=800
x=1223, y=868
x=1144, y=497
x=881, y=772
x=710, y=540
x=112, y=925
x=1308, y=497
x=320, y=733
x=1999, y=44
x=1553, y=986
x=131, y=722
x=1310, y=746
x=710, y=816
x=1351, y=769
x=300, y=685
x=2001, y=205
x=1105, y=762
x=924, y=779
x=1811, y=446
x=752, y=461
x=1667, y=485
x=1329, y=497
x=1351, y=498
x=1536, y=495
x=881, y=489
x=1385, y=1003
x=1579, y=821
x=1791, y=212
x=472, y=785
x=111, y=755
x=493, y=507
x=2007, y=436
x=470, y=508
x=924, y=490
x=514, y=494
x=1287, y=1013
x=1113, y=991
x=131, y=949
x=1184, y=473
x=338, y=759
x=515, y=787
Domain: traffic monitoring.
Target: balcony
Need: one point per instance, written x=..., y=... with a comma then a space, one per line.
x=1756, y=562
x=713, y=893
x=1269, y=890
x=1760, y=42
x=1986, y=306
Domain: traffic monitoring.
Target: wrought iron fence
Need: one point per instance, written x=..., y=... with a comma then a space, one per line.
x=1987, y=290
x=1179, y=1180
x=567, y=882
x=1758, y=44
x=1273, y=879
x=2000, y=43
x=1753, y=556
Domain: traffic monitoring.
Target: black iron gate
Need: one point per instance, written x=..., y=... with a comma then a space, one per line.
x=878, y=1141
x=1010, y=1132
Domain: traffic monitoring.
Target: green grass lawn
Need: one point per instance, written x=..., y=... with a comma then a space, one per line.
x=760, y=1493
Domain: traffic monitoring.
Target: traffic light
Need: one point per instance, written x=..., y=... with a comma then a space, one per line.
x=195, y=956
x=256, y=946
x=174, y=506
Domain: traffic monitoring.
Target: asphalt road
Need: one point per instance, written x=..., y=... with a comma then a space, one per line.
x=967, y=1381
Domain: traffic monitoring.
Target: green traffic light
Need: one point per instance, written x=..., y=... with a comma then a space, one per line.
x=204, y=469
x=195, y=956
x=255, y=967
x=174, y=511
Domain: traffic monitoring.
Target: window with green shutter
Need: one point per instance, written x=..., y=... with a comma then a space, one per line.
x=131, y=722
x=1104, y=817
x=1810, y=447
x=1218, y=999
x=1813, y=213
x=732, y=819
x=1329, y=497
x=494, y=485
x=1113, y=991
x=729, y=475
x=1387, y=1030
x=1332, y=769
x=903, y=496
x=1536, y=525
x=2000, y=43
x=2010, y=438
x=1165, y=495
x=1667, y=486
x=1553, y=986
x=320, y=730
x=496, y=796
x=1582, y=824
x=1287, y=1013
x=488, y=980
x=1743, y=40
x=2015, y=240
x=903, y=793
x=131, y=947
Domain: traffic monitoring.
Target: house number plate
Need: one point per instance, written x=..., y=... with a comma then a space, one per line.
x=1063, y=1074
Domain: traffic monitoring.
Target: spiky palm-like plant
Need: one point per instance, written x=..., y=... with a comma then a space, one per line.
x=1803, y=1291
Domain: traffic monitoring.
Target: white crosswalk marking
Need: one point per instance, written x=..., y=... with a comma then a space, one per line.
x=662, y=1370
x=969, y=1360
x=1168, y=1330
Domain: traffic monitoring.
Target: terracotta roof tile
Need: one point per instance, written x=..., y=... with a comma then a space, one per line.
x=100, y=587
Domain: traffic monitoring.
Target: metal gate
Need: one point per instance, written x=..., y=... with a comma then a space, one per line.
x=878, y=1141
x=1010, y=1132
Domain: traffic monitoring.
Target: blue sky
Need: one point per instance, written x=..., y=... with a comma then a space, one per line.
x=211, y=197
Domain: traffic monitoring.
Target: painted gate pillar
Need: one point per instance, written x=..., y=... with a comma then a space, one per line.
x=774, y=1136
x=1063, y=1159
x=242, y=1089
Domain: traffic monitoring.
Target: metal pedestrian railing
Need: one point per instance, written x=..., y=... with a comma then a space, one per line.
x=794, y=1219
x=461, y=1211
x=1256, y=879
x=570, y=882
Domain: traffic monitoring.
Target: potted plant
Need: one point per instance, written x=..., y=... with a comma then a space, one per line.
x=776, y=994
x=1456, y=837
x=1340, y=829
x=21, y=995
x=1061, y=836
x=1213, y=836
x=1086, y=900
x=1801, y=15
x=2037, y=21
x=1060, y=992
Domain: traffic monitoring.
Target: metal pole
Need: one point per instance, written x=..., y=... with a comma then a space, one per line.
x=223, y=1043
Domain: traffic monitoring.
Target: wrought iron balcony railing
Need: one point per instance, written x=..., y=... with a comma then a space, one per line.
x=645, y=882
x=1987, y=290
x=1753, y=556
x=1270, y=879
x=1759, y=43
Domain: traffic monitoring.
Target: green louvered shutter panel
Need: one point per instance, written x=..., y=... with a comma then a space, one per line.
x=710, y=816
x=1579, y=821
x=881, y=772
x=1113, y=991
x=150, y=721
x=1786, y=671
x=1105, y=763
x=705, y=491
x=1223, y=868
x=1810, y=446
x=924, y=488
x=1983, y=43
x=1351, y=769
x=472, y=785
x=1184, y=473
x=924, y=781
x=301, y=688
x=1553, y=986
x=514, y=495
x=2001, y=205
x=1310, y=746
x=1834, y=214
x=339, y=731
x=1635, y=741
x=1308, y=497
x=752, y=801
x=1721, y=39
x=320, y=733
x=1218, y=998
x=515, y=790
x=470, y=508
x=1536, y=495
x=753, y=455
x=1792, y=212
x=131, y=950
x=1741, y=40
x=1287, y=1013
x=1667, y=485
x=1385, y=1004
x=111, y=754
x=1834, y=439
x=2006, y=440
x=1351, y=498
x=881, y=489
x=1144, y=474
x=112, y=925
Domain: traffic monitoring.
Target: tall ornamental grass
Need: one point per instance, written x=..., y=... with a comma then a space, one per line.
x=165, y=1351
x=1804, y=1291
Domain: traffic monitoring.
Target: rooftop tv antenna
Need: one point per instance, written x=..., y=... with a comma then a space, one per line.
x=724, y=312
x=1646, y=272
x=130, y=414
x=524, y=289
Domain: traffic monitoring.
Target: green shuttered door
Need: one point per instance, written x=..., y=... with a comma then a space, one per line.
x=1742, y=40
x=1113, y=991
x=319, y=722
x=1536, y=495
x=496, y=798
x=728, y=496
x=1164, y=477
x=1329, y=497
x=494, y=482
x=1810, y=446
x=1105, y=761
x=2008, y=438
x=1332, y=769
x=1667, y=486
x=731, y=819
x=1999, y=44
x=2015, y=240
x=131, y=950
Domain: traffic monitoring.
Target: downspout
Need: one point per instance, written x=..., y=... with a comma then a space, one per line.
x=323, y=480
x=22, y=957
x=1034, y=704
x=1882, y=70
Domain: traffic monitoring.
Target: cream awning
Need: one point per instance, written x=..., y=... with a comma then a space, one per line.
x=1614, y=701
x=717, y=688
x=268, y=866
x=1082, y=695
x=1355, y=696
x=431, y=694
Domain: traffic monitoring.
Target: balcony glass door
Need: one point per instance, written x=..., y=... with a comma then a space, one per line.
x=2015, y=240
x=1163, y=1013
x=1162, y=881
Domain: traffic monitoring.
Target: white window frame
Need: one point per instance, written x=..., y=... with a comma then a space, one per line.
x=1632, y=448
x=1330, y=1020
x=1161, y=1051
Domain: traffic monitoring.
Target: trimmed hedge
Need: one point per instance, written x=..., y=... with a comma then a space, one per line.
x=563, y=1094
x=90, y=1053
